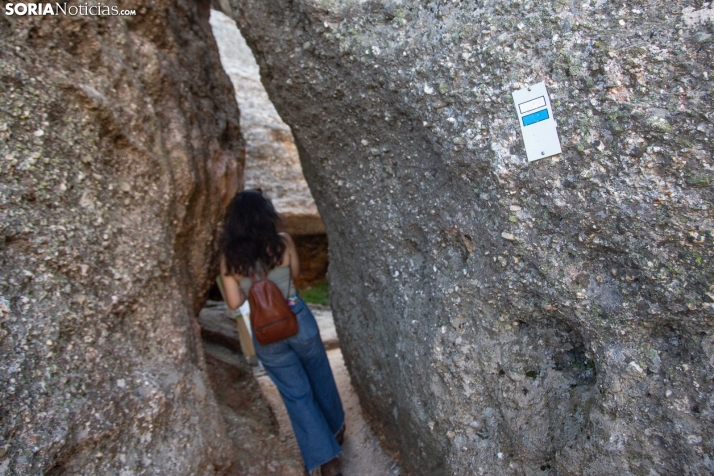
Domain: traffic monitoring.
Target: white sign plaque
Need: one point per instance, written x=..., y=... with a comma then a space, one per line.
x=535, y=116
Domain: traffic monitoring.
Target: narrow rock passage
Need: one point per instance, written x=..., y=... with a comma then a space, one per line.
x=361, y=453
x=265, y=140
x=255, y=416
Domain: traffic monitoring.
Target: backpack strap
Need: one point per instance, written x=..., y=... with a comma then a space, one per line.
x=255, y=275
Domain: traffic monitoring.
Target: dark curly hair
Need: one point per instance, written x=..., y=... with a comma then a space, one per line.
x=250, y=234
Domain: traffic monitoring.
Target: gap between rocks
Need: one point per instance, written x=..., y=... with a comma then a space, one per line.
x=258, y=424
x=257, y=421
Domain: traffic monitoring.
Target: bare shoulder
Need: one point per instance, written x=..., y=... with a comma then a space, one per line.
x=290, y=252
x=287, y=238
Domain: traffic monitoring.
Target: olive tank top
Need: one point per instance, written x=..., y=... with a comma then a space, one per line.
x=280, y=276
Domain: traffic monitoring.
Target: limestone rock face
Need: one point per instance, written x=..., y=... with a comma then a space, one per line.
x=271, y=158
x=497, y=316
x=119, y=151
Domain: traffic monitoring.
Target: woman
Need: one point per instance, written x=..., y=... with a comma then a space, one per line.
x=297, y=365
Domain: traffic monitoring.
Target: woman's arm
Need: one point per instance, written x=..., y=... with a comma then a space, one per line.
x=291, y=252
x=234, y=294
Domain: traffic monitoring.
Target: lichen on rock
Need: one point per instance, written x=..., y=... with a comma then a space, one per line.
x=506, y=317
x=119, y=151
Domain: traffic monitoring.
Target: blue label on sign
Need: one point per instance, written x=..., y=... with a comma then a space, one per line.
x=541, y=115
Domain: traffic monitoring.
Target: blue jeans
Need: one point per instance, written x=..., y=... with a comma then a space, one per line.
x=299, y=368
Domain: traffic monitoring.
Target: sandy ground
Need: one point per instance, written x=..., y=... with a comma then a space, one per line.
x=361, y=453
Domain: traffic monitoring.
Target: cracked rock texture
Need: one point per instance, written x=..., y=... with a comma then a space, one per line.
x=504, y=317
x=271, y=158
x=119, y=151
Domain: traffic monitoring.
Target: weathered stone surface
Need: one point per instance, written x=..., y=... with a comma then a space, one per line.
x=218, y=326
x=272, y=161
x=271, y=158
x=119, y=150
x=497, y=316
x=328, y=334
x=251, y=425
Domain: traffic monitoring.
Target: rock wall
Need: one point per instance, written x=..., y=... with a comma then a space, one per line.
x=271, y=158
x=501, y=317
x=119, y=151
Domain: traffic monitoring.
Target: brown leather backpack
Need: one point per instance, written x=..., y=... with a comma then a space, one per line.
x=270, y=316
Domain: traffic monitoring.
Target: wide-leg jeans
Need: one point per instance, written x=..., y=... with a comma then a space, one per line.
x=300, y=369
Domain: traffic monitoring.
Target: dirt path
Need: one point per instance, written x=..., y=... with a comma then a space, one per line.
x=255, y=415
x=361, y=453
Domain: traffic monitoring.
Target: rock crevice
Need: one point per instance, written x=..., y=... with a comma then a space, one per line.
x=119, y=151
x=503, y=316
